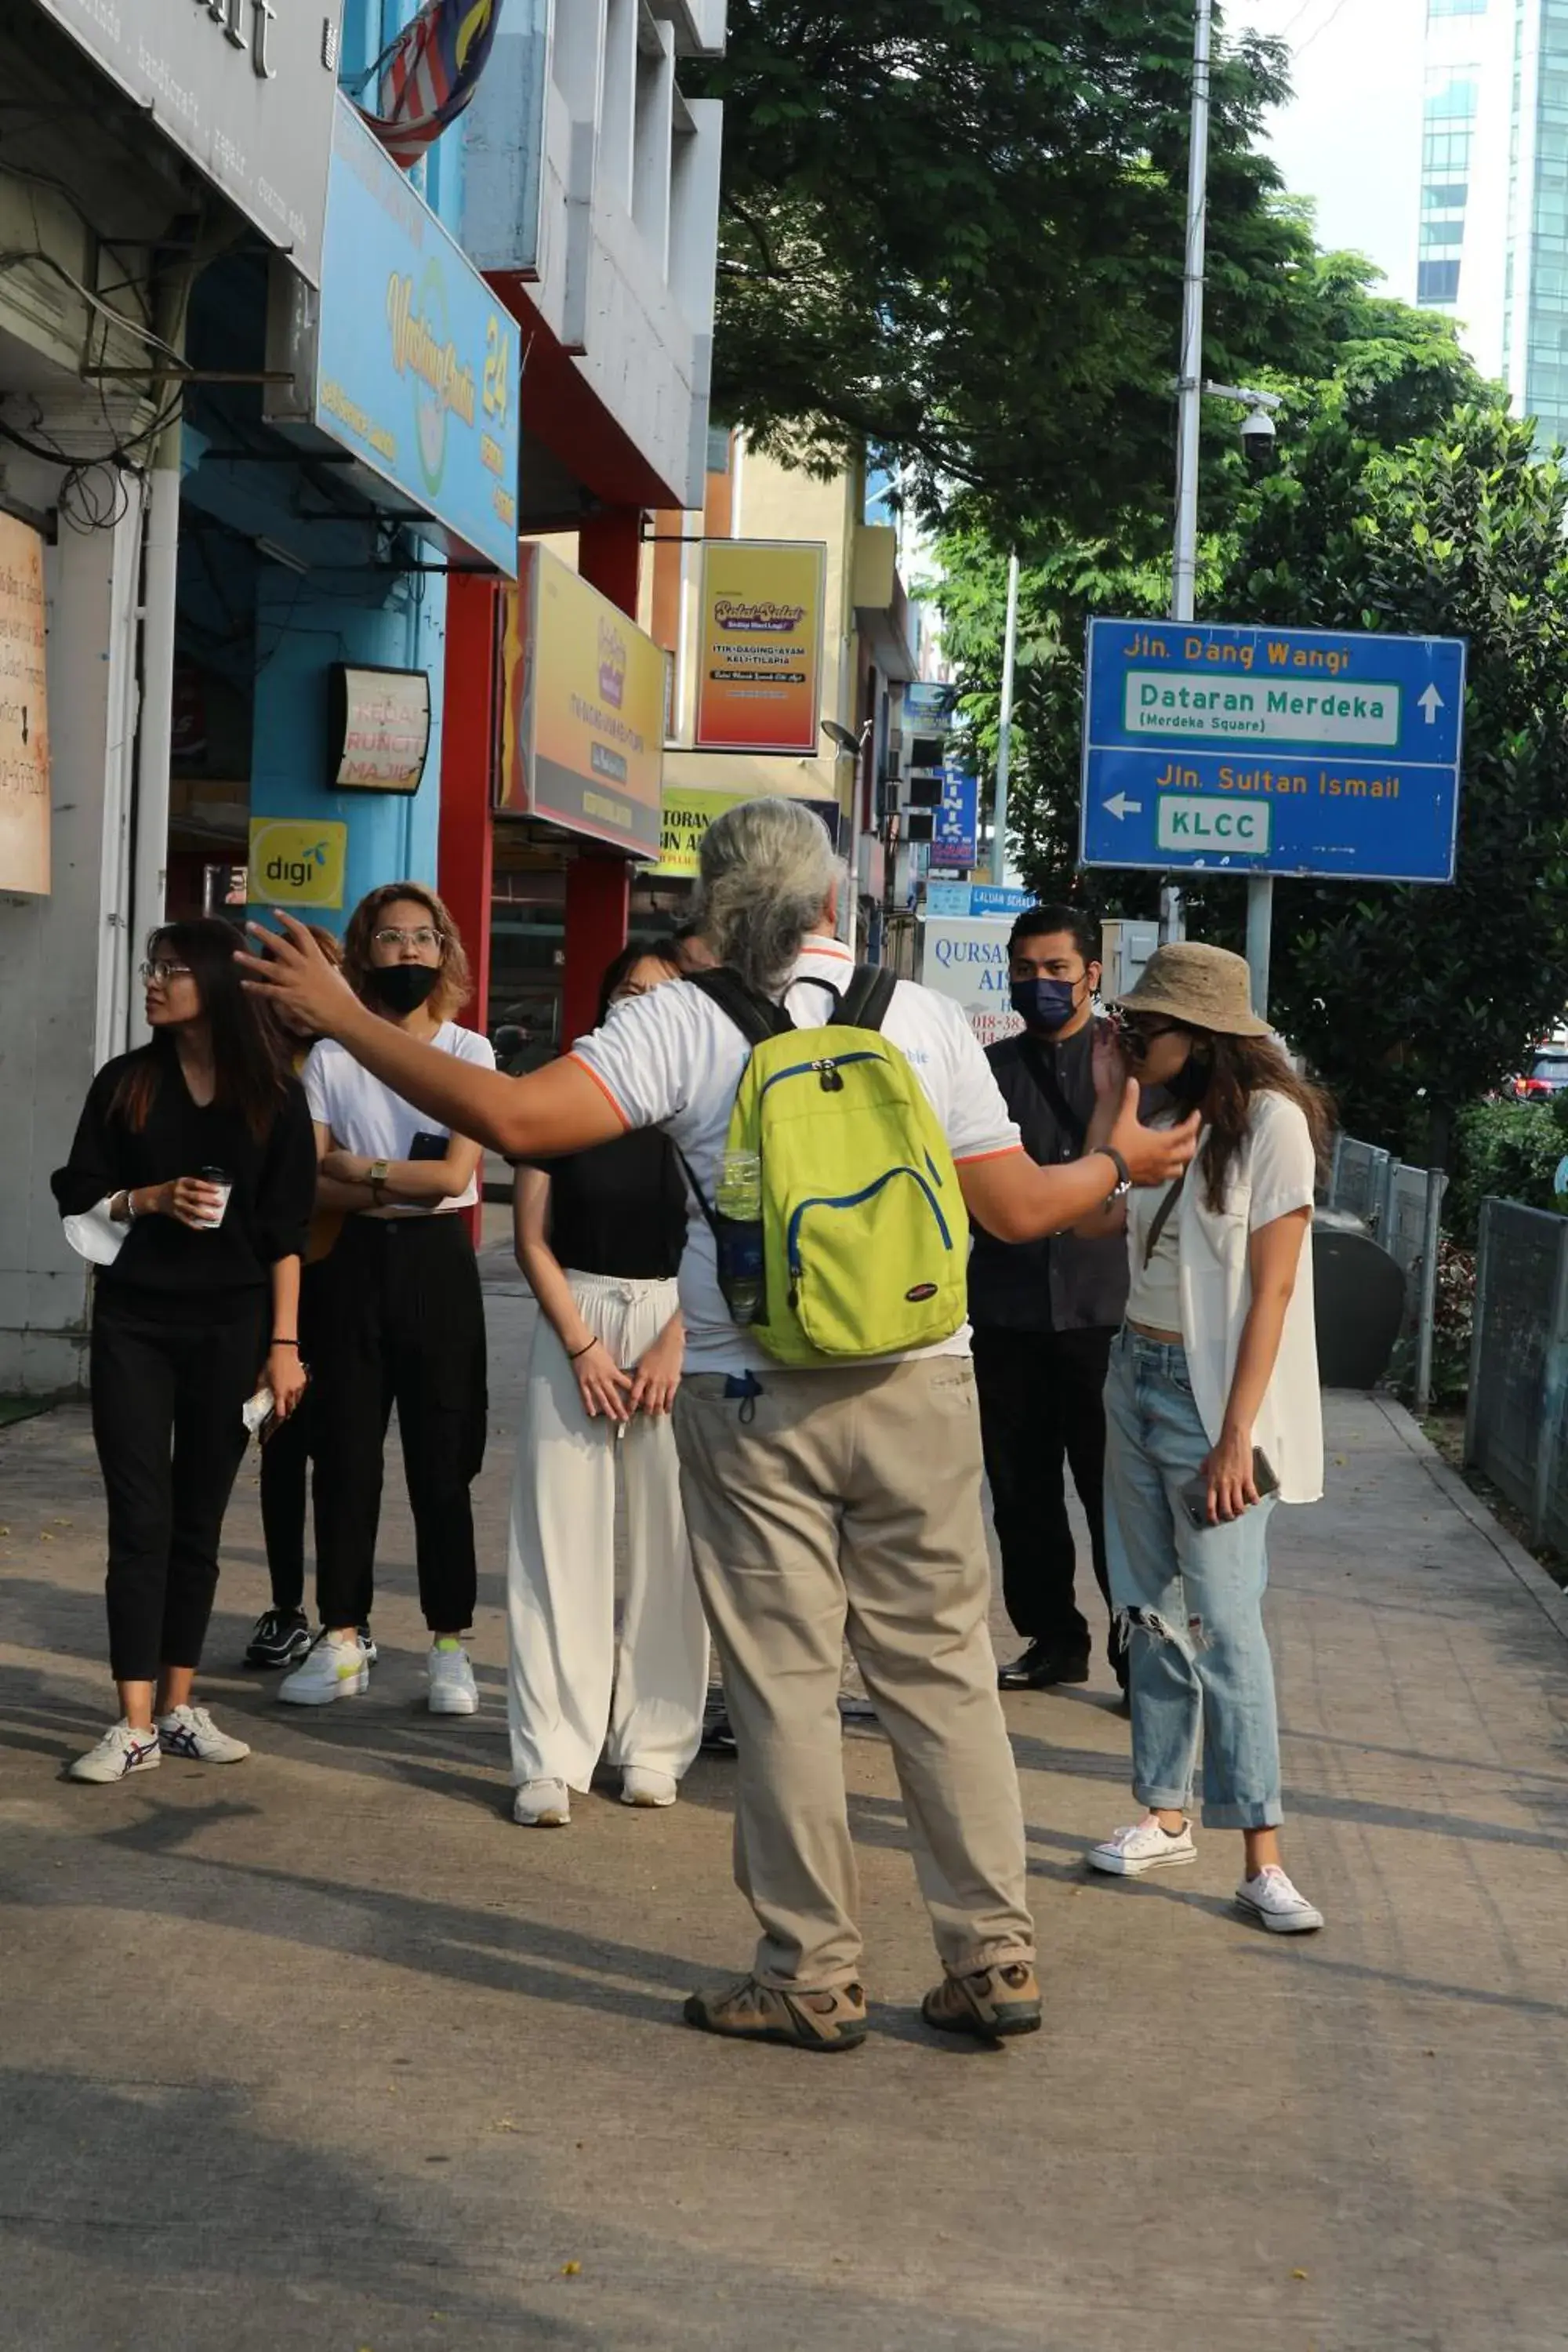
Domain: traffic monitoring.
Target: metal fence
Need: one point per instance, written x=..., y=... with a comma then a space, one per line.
x=1516, y=1422
x=1401, y=1207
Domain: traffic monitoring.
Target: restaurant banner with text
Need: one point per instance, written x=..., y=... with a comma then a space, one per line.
x=583, y=709
x=759, y=616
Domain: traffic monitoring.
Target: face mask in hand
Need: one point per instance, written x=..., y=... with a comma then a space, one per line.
x=404, y=987
x=1046, y=1004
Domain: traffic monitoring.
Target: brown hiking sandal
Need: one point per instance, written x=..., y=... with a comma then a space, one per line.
x=751, y=2011
x=993, y=2004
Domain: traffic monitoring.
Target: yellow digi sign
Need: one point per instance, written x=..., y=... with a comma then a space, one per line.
x=295, y=864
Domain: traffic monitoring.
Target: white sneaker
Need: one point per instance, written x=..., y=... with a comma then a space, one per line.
x=333, y=1670
x=191, y=1731
x=1281, y=1907
x=542, y=1805
x=118, y=1753
x=642, y=1786
x=1126, y=1853
x=453, y=1690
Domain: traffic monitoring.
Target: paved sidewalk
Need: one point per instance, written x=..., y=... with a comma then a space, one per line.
x=324, y=2054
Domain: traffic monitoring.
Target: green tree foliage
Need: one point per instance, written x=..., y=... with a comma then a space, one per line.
x=954, y=229
x=1393, y=372
x=1429, y=996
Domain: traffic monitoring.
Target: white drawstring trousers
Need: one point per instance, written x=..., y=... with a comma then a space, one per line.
x=575, y=1686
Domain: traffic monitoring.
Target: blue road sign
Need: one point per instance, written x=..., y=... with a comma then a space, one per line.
x=1271, y=750
x=954, y=848
x=974, y=901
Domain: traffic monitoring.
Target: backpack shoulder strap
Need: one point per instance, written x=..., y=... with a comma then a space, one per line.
x=866, y=1001
x=756, y=1017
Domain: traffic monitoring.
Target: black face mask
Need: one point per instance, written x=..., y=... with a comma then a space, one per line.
x=404, y=987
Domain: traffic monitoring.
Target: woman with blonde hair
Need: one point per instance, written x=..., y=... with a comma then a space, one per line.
x=400, y=1318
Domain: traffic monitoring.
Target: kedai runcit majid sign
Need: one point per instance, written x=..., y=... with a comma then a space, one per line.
x=24, y=716
x=760, y=644
x=583, y=709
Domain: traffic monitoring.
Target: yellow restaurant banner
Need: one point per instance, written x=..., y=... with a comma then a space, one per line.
x=760, y=644
x=24, y=713
x=688, y=811
x=583, y=709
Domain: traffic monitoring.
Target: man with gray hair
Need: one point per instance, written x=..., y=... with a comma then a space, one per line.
x=819, y=1501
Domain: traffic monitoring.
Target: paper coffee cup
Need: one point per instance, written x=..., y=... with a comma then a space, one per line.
x=221, y=1182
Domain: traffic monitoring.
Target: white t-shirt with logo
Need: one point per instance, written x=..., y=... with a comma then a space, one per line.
x=367, y=1117
x=672, y=1059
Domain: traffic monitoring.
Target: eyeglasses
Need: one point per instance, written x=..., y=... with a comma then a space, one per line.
x=164, y=973
x=1138, y=1035
x=394, y=937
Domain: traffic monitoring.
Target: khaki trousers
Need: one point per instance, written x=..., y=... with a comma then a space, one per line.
x=848, y=1502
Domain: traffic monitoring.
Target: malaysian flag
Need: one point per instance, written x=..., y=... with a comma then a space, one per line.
x=429, y=74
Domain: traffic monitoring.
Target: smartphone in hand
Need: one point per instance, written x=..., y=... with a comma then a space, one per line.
x=1193, y=1496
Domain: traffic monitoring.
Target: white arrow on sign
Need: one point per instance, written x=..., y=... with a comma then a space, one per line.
x=1118, y=805
x=1431, y=703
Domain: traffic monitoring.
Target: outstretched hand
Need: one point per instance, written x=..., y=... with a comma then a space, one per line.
x=1155, y=1155
x=290, y=971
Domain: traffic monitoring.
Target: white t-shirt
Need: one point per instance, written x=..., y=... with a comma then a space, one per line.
x=672, y=1059
x=366, y=1117
x=1274, y=1172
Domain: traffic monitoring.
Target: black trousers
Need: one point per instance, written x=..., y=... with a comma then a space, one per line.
x=1041, y=1411
x=400, y=1321
x=285, y=1469
x=166, y=1402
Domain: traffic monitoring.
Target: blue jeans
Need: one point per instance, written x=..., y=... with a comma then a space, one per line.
x=1192, y=1600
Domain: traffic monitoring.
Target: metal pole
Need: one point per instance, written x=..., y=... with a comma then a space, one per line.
x=1190, y=385
x=1259, y=930
x=1004, y=728
x=1436, y=1186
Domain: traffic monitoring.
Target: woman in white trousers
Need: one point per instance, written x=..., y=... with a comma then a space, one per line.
x=599, y=1238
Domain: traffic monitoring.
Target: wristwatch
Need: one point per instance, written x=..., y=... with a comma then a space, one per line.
x=1124, y=1184
x=377, y=1176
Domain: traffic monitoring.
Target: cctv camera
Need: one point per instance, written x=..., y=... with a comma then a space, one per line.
x=1258, y=439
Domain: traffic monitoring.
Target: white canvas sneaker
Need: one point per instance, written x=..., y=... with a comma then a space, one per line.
x=453, y=1690
x=333, y=1670
x=641, y=1785
x=542, y=1805
x=118, y=1754
x=1281, y=1907
x=1127, y=1853
x=191, y=1731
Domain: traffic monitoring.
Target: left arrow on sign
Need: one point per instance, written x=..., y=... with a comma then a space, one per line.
x=1118, y=805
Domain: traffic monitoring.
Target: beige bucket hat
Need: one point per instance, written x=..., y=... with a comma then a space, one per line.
x=1207, y=987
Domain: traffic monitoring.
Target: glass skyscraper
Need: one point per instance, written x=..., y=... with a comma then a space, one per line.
x=1494, y=191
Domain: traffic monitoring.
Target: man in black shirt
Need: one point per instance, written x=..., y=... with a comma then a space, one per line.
x=1045, y=1314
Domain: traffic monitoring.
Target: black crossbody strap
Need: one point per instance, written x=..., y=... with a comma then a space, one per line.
x=1162, y=1217
x=864, y=1003
x=756, y=1017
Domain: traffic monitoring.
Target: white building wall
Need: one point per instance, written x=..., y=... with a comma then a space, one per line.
x=65, y=961
x=590, y=177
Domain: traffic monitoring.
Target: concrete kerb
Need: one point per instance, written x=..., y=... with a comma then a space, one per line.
x=1527, y=1570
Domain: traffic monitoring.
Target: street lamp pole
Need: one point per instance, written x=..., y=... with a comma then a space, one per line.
x=1189, y=393
x=1004, y=731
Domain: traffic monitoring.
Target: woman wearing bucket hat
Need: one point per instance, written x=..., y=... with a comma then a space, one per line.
x=1213, y=1415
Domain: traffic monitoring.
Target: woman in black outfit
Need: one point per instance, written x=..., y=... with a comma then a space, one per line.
x=195, y=1155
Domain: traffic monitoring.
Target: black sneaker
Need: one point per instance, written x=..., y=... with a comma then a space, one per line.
x=717, y=1739
x=1041, y=1666
x=279, y=1637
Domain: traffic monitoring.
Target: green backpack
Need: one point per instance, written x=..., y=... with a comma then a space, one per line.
x=865, y=1234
